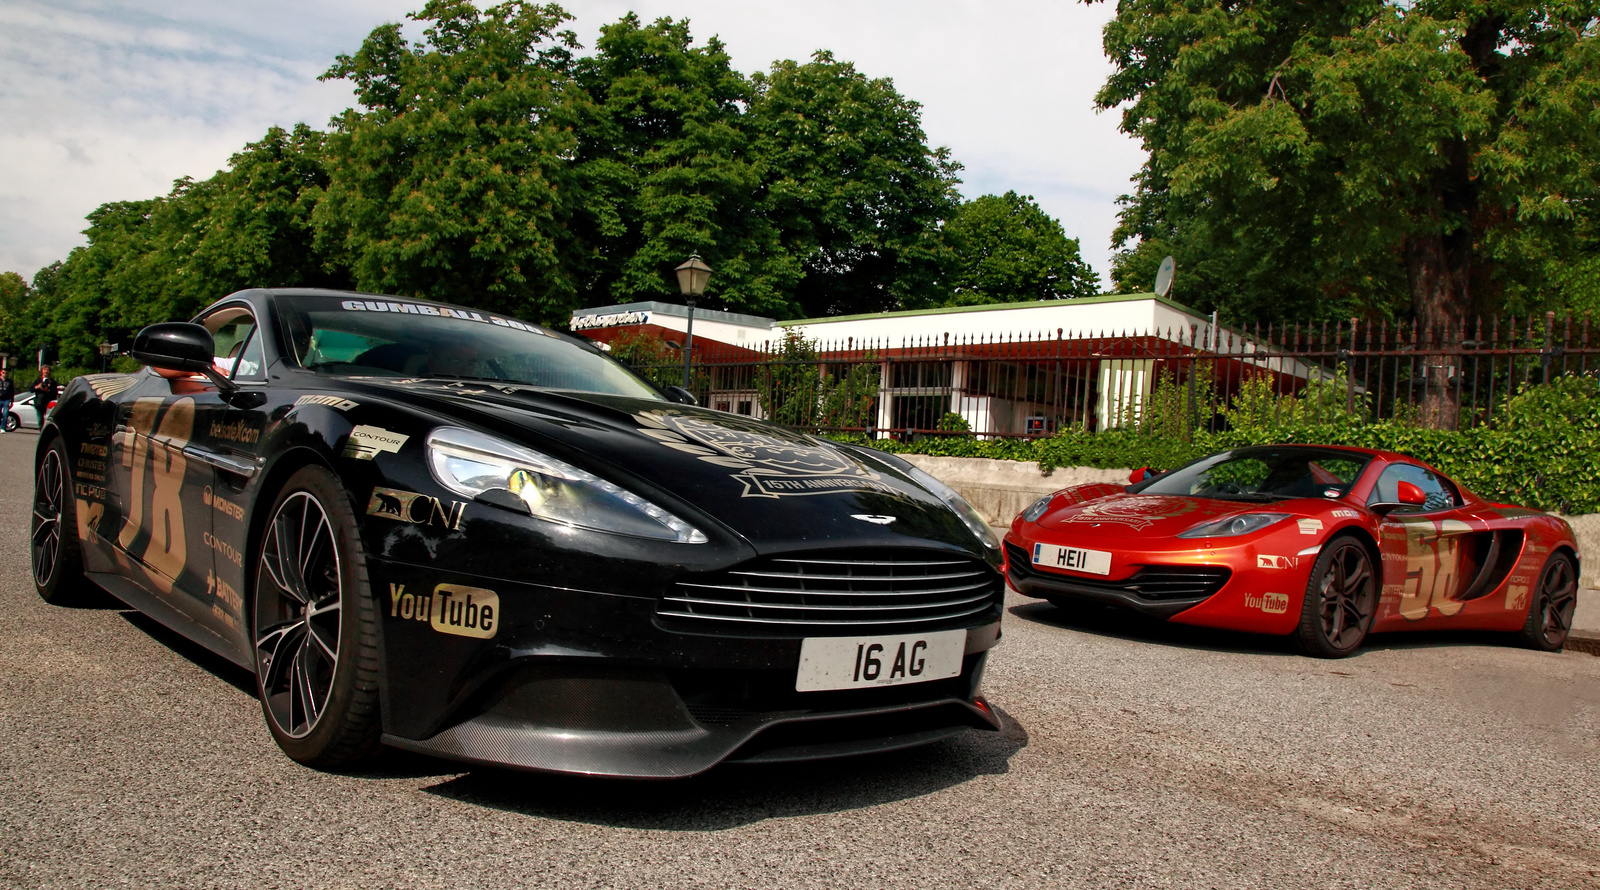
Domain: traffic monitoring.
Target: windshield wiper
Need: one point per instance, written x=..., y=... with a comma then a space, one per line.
x=471, y=377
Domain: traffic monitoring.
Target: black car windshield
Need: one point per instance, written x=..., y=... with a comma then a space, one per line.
x=369, y=337
x=1264, y=473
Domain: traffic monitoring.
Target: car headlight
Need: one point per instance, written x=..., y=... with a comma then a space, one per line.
x=956, y=502
x=1233, y=526
x=470, y=464
x=1037, y=508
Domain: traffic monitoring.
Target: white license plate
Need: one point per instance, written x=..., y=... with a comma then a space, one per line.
x=1094, y=561
x=855, y=662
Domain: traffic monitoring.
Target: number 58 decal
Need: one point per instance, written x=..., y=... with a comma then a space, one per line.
x=1433, y=567
x=166, y=550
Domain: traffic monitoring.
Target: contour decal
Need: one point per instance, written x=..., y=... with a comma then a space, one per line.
x=417, y=509
x=772, y=467
x=1310, y=526
x=366, y=442
x=335, y=402
x=1138, y=513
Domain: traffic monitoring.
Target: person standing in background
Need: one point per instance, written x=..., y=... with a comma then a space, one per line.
x=8, y=391
x=44, y=390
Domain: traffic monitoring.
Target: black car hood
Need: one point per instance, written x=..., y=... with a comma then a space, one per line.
x=776, y=488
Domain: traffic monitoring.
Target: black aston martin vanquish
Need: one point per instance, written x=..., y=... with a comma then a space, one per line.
x=457, y=533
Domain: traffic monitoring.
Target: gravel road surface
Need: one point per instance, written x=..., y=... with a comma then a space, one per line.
x=1135, y=756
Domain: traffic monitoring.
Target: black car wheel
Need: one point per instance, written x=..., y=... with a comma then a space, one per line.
x=1340, y=600
x=1553, y=603
x=315, y=627
x=12, y=422
x=57, y=561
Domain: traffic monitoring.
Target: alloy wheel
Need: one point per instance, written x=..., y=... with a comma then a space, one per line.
x=1558, y=600
x=1348, y=589
x=297, y=614
x=47, y=498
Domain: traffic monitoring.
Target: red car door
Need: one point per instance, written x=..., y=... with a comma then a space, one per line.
x=1428, y=547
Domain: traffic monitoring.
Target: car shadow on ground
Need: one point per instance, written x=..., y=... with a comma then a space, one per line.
x=734, y=795
x=1109, y=621
x=1122, y=624
x=204, y=658
x=1435, y=639
x=726, y=797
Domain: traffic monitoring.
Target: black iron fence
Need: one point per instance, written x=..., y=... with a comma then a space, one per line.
x=1169, y=380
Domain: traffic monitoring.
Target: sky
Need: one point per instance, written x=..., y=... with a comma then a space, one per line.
x=112, y=100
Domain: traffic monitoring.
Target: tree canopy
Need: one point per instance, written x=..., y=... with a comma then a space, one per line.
x=852, y=187
x=1006, y=249
x=1430, y=159
x=488, y=161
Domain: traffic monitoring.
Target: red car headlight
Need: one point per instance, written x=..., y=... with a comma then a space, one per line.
x=1233, y=526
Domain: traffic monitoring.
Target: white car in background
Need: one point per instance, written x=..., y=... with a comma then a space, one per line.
x=22, y=415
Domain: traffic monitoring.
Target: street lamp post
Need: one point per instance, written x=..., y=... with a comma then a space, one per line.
x=692, y=278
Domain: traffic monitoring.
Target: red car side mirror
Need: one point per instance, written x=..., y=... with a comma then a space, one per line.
x=1409, y=494
x=1141, y=474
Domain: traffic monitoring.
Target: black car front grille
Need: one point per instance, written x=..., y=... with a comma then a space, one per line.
x=1154, y=583
x=847, y=592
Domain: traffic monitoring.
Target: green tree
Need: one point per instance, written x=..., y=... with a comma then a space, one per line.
x=666, y=170
x=451, y=182
x=1006, y=249
x=852, y=185
x=1429, y=158
x=15, y=294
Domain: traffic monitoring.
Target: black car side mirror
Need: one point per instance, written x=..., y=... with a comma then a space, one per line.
x=681, y=396
x=180, y=346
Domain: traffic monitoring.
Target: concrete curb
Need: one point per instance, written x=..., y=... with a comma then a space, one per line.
x=1584, y=641
x=1000, y=489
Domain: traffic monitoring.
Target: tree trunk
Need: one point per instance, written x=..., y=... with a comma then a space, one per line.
x=1439, y=254
x=1438, y=268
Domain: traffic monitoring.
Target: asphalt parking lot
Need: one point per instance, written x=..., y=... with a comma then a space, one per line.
x=1135, y=755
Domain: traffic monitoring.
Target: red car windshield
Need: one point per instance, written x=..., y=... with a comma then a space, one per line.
x=1264, y=473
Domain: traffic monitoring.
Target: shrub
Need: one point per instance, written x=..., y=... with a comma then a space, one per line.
x=1542, y=454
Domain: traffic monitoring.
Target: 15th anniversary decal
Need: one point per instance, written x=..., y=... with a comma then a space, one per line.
x=771, y=466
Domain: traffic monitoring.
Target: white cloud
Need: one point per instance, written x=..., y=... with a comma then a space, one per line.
x=110, y=100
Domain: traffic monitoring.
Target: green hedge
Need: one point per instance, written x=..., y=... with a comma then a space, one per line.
x=1543, y=452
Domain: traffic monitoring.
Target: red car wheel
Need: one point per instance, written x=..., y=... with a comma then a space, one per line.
x=1340, y=600
x=1554, y=601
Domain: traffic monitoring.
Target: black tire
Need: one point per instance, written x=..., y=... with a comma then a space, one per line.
x=320, y=701
x=12, y=422
x=1551, y=605
x=1341, y=600
x=53, y=544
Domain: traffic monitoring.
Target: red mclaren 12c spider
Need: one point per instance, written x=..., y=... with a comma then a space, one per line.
x=1325, y=543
